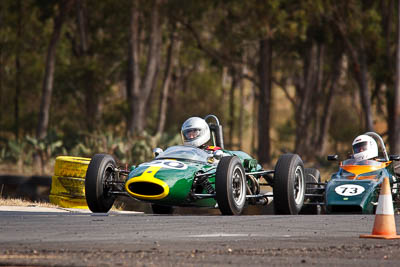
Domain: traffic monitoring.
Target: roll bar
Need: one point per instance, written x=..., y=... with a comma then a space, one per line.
x=379, y=138
x=216, y=131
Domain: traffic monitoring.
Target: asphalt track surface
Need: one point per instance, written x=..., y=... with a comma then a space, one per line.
x=69, y=238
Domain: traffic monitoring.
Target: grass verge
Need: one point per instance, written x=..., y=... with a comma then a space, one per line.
x=25, y=203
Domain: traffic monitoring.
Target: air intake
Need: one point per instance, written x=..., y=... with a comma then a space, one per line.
x=146, y=189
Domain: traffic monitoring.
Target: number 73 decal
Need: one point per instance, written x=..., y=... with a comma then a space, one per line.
x=349, y=190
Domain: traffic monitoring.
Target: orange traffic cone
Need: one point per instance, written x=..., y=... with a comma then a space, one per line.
x=384, y=225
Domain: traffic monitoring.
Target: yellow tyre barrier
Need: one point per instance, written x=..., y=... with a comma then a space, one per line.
x=68, y=186
x=67, y=166
x=68, y=182
x=67, y=202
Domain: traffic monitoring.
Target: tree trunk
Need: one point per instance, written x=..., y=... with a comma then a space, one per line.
x=314, y=109
x=139, y=89
x=18, y=71
x=48, y=80
x=171, y=61
x=325, y=119
x=358, y=57
x=232, y=107
x=357, y=54
x=254, y=120
x=241, y=108
x=47, y=89
x=361, y=77
x=133, y=77
x=1, y=62
x=264, y=106
x=391, y=80
x=82, y=27
x=395, y=146
x=92, y=97
x=1, y=84
x=305, y=92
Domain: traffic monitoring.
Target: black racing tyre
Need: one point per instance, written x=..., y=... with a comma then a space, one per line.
x=160, y=209
x=230, y=186
x=100, y=170
x=289, y=184
x=312, y=175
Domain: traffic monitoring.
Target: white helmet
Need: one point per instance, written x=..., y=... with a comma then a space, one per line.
x=364, y=147
x=195, y=132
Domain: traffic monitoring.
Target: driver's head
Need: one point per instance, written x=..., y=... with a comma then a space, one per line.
x=364, y=147
x=195, y=132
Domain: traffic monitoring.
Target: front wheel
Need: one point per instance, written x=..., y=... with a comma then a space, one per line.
x=100, y=171
x=230, y=186
x=289, y=184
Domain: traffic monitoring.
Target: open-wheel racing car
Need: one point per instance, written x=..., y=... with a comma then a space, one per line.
x=355, y=188
x=189, y=176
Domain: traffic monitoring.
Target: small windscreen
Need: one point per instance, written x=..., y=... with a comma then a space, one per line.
x=184, y=152
x=367, y=162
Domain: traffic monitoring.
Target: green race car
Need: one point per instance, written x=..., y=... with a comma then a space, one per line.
x=355, y=187
x=189, y=176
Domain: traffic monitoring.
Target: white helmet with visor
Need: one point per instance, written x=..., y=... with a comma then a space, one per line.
x=195, y=132
x=364, y=147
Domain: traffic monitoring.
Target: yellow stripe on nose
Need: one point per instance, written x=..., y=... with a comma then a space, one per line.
x=150, y=172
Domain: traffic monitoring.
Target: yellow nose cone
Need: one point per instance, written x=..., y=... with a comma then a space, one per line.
x=146, y=186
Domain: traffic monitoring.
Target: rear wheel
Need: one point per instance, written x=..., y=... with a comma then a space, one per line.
x=230, y=186
x=312, y=175
x=99, y=173
x=160, y=209
x=289, y=184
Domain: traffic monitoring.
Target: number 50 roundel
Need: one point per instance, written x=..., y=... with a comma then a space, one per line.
x=349, y=190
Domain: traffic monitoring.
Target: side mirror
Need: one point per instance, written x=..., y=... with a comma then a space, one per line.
x=333, y=157
x=218, y=154
x=157, y=151
x=394, y=157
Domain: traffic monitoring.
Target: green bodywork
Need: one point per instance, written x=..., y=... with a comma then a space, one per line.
x=363, y=203
x=180, y=181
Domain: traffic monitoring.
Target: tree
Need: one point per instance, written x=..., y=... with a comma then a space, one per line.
x=171, y=60
x=1, y=62
x=311, y=62
x=18, y=69
x=43, y=122
x=248, y=27
x=264, y=105
x=88, y=76
x=395, y=146
x=140, y=86
x=48, y=79
x=354, y=38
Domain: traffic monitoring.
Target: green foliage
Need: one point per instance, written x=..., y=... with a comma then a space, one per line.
x=89, y=103
x=141, y=149
x=15, y=151
x=47, y=148
x=132, y=150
